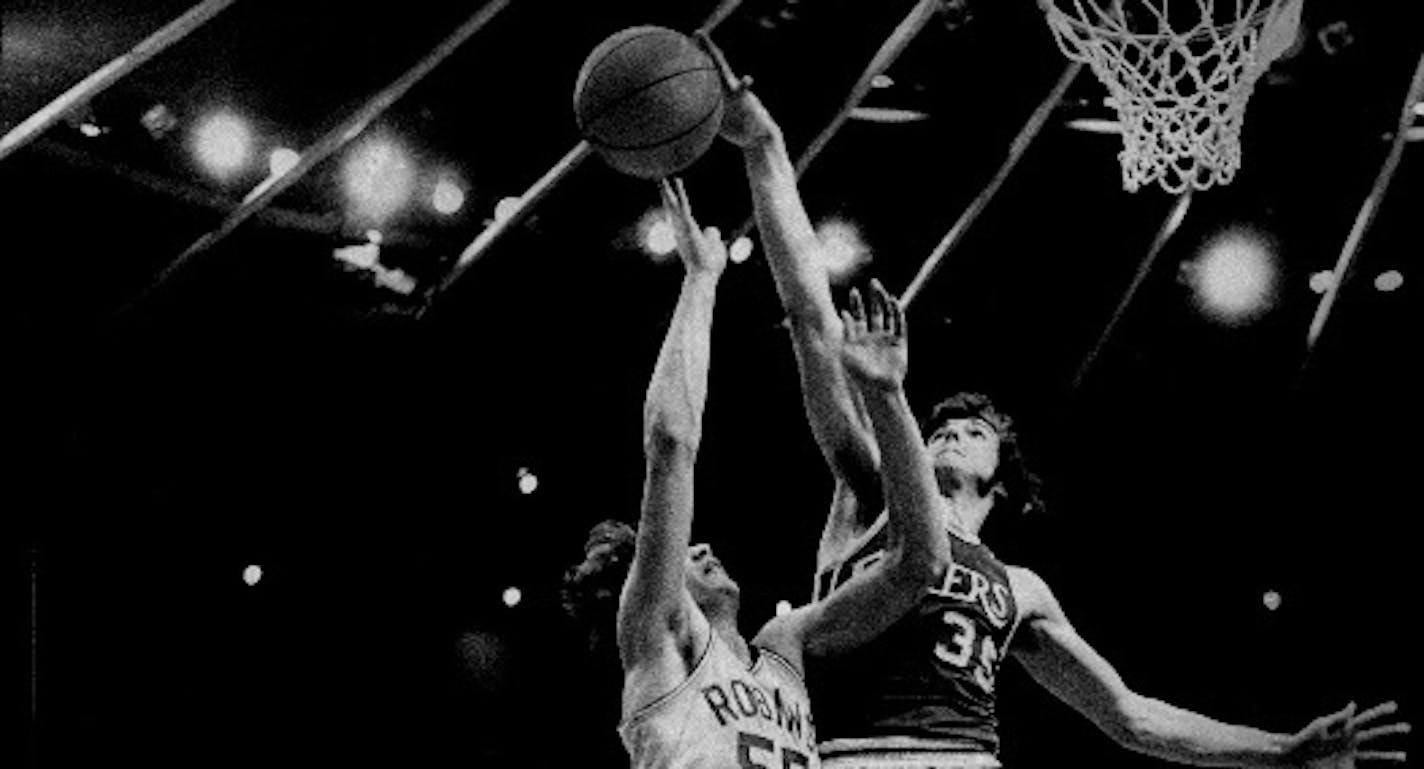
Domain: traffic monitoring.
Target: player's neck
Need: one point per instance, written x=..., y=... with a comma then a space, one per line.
x=966, y=509
x=725, y=626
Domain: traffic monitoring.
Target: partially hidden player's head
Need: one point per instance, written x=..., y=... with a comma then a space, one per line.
x=971, y=441
x=593, y=586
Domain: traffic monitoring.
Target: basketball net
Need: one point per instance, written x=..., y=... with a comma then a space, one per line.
x=1180, y=96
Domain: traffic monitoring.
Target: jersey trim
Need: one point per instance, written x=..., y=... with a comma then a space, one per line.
x=764, y=653
x=1019, y=611
x=910, y=749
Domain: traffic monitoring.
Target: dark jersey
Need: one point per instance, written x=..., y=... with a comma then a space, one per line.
x=930, y=676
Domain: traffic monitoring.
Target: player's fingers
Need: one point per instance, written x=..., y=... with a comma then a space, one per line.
x=857, y=307
x=849, y=323
x=875, y=315
x=679, y=212
x=1381, y=731
x=1383, y=709
x=892, y=314
x=890, y=306
x=887, y=304
x=1333, y=720
x=1330, y=723
x=1380, y=755
x=714, y=236
x=669, y=196
x=682, y=195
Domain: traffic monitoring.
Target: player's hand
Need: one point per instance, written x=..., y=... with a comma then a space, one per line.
x=874, y=348
x=702, y=251
x=745, y=120
x=1338, y=740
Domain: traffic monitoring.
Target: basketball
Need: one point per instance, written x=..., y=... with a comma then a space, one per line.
x=649, y=101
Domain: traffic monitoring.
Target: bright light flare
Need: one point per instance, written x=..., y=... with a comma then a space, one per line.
x=379, y=178
x=740, y=250
x=842, y=249
x=1095, y=125
x=394, y=278
x=1234, y=277
x=528, y=481
x=1321, y=281
x=505, y=208
x=656, y=234
x=447, y=198
x=223, y=143
x=282, y=160
x=1389, y=280
x=362, y=255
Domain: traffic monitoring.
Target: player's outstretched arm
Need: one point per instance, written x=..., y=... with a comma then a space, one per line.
x=793, y=250
x=875, y=353
x=1059, y=659
x=655, y=608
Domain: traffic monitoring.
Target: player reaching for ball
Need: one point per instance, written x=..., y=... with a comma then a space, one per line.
x=695, y=692
x=922, y=693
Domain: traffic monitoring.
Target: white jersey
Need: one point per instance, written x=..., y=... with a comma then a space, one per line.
x=725, y=716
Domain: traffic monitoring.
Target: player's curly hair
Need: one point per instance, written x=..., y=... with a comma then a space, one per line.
x=592, y=587
x=1022, y=486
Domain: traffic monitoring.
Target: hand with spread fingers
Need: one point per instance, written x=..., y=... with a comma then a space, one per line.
x=874, y=349
x=702, y=251
x=1340, y=739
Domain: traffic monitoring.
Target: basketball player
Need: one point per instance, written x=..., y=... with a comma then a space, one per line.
x=922, y=693
x=695, y=693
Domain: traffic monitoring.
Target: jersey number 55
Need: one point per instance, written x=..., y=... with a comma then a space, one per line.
x=753, y=746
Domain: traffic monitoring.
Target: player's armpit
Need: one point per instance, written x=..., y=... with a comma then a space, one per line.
x=654, y=603
x=660, y=632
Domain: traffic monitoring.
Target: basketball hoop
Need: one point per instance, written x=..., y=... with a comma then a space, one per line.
x=1178, y=78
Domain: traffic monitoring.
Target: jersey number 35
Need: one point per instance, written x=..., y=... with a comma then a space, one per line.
x=958, y=649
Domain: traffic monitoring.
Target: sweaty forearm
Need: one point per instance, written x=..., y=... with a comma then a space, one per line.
x=786, y=232
x=911, y=495
x=1176, y=734
x=677, y=392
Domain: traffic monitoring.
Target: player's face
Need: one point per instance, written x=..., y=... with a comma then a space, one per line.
x=967, y=447
x=706, y=579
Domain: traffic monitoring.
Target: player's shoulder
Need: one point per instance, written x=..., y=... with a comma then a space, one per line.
x=784, y=635
x=1032, y=594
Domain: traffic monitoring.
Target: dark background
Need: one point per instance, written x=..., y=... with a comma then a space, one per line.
x=268, y=406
